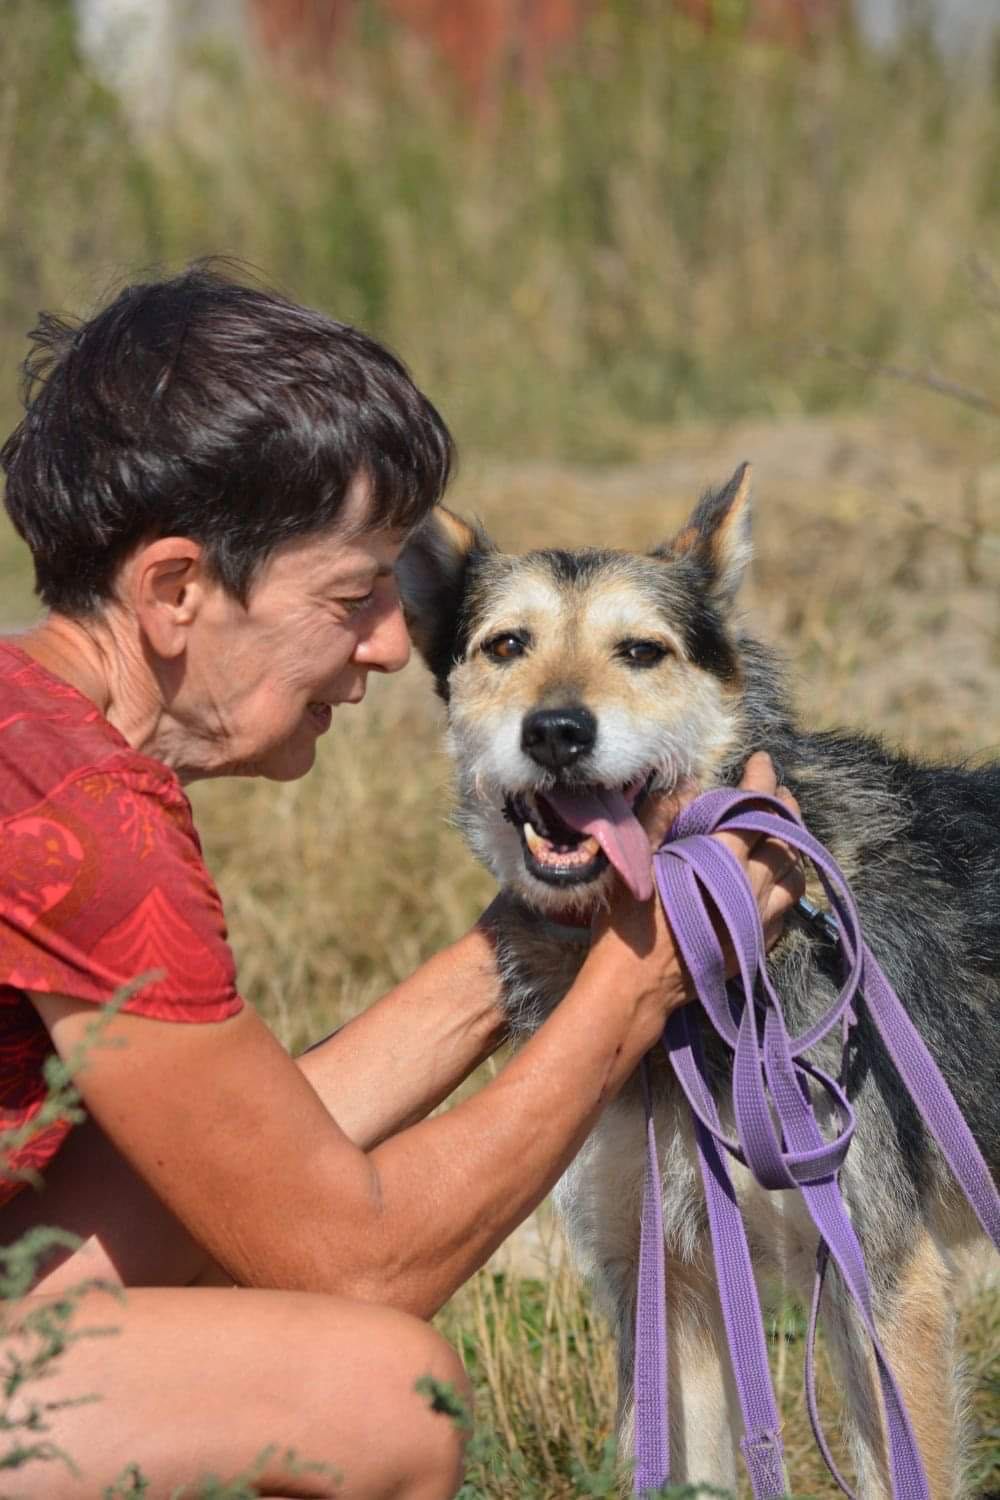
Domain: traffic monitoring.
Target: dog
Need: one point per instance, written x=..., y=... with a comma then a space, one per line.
x=578, y=681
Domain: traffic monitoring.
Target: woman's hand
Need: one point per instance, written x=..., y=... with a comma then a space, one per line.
x=772, y=867
x=634, y=937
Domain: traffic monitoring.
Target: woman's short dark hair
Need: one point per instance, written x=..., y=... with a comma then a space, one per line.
x=201, y=406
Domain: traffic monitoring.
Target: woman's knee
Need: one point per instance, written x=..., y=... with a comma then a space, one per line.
x=438, y=1422
x=445, y=1387
x=418, y=1401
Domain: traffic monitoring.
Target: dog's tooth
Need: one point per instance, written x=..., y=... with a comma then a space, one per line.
x=532, y=837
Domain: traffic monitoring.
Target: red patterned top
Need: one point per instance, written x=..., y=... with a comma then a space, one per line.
x=101, y=880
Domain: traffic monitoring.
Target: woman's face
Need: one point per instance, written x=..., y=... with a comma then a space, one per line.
x=261, y=681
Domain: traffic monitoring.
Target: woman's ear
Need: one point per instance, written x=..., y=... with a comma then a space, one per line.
x=433, y=572
x=717, y=537
x=165, y=580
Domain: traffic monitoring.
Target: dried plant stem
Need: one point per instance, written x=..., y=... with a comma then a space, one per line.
x=927, y=379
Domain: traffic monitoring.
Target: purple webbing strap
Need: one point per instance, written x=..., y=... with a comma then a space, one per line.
x=761, y=1444
x=770, y=1074
x=652, y=1463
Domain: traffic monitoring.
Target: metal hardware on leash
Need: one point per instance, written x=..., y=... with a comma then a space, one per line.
x=772, y=1081
x=815, y=916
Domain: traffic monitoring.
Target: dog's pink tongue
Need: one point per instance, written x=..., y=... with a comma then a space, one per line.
x=608, y=817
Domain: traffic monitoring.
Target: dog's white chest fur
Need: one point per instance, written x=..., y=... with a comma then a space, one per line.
x=600, y=1202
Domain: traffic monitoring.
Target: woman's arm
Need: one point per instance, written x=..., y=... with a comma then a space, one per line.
x=232, y=1137
x=393, y=1063
x=224, y=1127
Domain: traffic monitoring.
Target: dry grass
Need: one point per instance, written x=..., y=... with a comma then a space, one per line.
x=665, y=235
x=543, y=1367
x=665, y=238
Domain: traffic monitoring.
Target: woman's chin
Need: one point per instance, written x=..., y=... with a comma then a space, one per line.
x=286, y=764
x=287, y=761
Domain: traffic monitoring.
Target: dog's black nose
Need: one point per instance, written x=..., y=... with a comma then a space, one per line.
x=555, y=737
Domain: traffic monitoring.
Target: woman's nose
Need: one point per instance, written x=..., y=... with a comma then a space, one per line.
x=386, y=647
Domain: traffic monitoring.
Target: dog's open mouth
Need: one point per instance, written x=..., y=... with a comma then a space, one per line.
x=569, y=835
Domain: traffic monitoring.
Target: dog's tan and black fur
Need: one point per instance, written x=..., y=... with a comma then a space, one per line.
x=614, y=669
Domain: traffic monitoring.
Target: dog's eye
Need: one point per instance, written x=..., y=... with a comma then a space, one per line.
x=642, y=653
x=505, y=647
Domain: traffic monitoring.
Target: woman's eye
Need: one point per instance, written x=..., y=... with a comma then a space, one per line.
x=642, y=653
x=504, y=647
x=354, y=606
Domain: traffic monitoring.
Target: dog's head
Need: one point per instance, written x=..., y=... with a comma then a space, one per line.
x=575, y=683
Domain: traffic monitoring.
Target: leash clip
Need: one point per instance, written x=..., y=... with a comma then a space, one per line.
x=815, y=916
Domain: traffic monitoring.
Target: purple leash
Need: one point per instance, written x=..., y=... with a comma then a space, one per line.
x=771, y=1078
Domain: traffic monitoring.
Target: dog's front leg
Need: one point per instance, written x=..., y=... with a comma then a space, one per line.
x=916, y=1319
x=705, y=1420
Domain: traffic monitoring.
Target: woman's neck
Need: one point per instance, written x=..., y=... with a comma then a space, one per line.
x=105, y=665
x=69, y=650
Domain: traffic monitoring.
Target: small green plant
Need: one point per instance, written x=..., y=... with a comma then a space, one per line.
x=133, y=1484
x=33, y=1343
x=35, y=1339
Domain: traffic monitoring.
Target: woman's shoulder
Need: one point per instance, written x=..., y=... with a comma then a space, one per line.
x=52, y=738
x=103, y=877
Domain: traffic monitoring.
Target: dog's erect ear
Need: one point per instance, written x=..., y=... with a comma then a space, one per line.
x=432, y=572
x=718, y=537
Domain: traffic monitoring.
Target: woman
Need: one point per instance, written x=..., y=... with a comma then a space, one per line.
x=215, y=485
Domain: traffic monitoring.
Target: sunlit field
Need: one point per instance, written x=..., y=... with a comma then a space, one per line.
x=672, y=230
x=877, y=571
x=688, y=250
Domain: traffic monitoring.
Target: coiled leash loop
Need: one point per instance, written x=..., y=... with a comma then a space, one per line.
x=772, y=1081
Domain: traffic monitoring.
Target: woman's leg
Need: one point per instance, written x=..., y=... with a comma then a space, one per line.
x=128, y=1236
x=201, y=1380
x=198, y=1379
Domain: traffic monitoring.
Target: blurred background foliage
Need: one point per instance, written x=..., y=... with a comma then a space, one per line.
x=618, y=278
x=668, y=227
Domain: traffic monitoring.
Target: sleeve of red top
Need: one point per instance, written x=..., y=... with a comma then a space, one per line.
x=103, y=883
